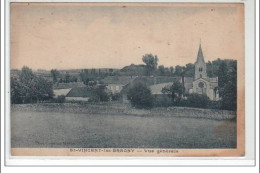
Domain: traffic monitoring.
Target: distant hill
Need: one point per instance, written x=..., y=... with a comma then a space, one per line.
x=132, y=70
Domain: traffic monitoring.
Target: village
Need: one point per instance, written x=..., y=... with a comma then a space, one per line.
x=166, y=86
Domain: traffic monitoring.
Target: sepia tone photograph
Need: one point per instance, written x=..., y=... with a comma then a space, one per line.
x=127, y=79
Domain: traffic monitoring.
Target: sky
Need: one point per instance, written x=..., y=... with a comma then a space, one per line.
x=110, y=35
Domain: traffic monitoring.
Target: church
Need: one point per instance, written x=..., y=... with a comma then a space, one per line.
x=201, y=83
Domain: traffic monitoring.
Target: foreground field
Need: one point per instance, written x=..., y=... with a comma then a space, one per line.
x=61, y=129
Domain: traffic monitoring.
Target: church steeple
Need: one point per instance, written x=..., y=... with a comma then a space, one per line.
x=200, y=65
x=200, y=56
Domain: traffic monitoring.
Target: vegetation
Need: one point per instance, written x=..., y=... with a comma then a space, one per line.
x=140, y=96
x=100, y=93
x=175, y=91
x=151, y=62
x=197, y=101
x=55, y=74
x=29, y=88
x=228, y=91
x=61, y=99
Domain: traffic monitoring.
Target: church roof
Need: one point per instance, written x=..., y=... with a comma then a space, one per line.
x=200, y=56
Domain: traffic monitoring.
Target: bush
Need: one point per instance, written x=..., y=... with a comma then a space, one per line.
x=140, y=96
x=197, y=101
x=94, y=99
x=116, y=96
x=61, y=99
x=100, y=92
x=162, y=100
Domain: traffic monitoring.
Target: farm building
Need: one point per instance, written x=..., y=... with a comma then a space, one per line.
x=115, y=84
x=74, y=94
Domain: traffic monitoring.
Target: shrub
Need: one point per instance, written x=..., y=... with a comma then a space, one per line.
x=162, y=100
x=61, y=99
x=94, y=99
x=140, y=96
x=116, y=96
x=197, y=100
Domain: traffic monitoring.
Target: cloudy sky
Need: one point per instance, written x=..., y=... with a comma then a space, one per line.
x=87, y=35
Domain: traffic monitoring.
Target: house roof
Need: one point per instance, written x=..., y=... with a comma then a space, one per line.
x=80, y=92
x=68, y=85
x=59, y=92
x=122, y=80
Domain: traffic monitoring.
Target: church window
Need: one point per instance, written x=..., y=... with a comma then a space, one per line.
x=200, y=69
x=200, y=75
x=201, y=85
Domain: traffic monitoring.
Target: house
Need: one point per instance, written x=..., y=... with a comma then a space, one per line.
x=115, y=84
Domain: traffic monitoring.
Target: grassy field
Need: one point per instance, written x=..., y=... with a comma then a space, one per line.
x=56, y=129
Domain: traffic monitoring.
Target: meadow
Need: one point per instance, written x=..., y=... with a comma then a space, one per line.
x=62, y=129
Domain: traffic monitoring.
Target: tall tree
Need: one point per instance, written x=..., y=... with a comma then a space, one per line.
x=189, y=70
x=229, y=89
x=172, y=69
x=178, y=70
x=222, y=74
x=54, y=73
x=151, y=62
x=161, y=70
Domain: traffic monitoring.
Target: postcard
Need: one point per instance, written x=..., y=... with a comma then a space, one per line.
x=127, y=79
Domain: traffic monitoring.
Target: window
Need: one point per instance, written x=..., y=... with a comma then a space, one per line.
x=200, y=69
x=201, y=85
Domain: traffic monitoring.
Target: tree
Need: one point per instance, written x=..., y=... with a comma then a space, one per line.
x=171, y=69
x=175, y=91
x=140, y=96
x=178, y=70
x=16, y=95
x=151, y=62
x=28, y=88
x=161, y=70
x=67, y=77
x=229, y=90
x=222, y=75
x=189, y=70
x=209, y=67
x=26, y=75
x=87, y=78
x=100, y=93
x=55, y=73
